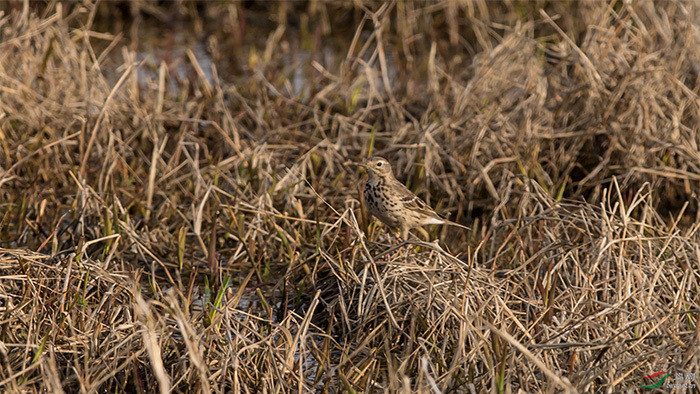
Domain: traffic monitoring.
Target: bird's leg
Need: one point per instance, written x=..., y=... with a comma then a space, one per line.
x=403, y=239
x=404, y=233
x=394, y=242
x=392, y=247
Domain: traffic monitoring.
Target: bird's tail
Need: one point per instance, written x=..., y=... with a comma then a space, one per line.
x=451, y=223
x=440, y=220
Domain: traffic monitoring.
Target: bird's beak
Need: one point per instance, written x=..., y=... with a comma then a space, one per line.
x=363, y=164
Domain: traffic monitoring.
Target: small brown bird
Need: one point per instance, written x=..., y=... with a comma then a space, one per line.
x=392, y=203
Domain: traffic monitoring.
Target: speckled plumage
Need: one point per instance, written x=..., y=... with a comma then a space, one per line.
x=392, y=203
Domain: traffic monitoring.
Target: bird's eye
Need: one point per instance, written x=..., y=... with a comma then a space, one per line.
x=379, y=164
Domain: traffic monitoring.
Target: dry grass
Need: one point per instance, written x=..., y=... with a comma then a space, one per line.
x=188, y=219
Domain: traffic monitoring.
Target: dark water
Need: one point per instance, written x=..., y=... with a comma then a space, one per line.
x=294, y=58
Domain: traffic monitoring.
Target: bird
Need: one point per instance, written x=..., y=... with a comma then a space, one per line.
x=392, y=203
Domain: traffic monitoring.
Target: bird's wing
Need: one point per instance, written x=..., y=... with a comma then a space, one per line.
x=413, y=202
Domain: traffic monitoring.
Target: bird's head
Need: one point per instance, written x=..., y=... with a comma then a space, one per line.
x=377, y=166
